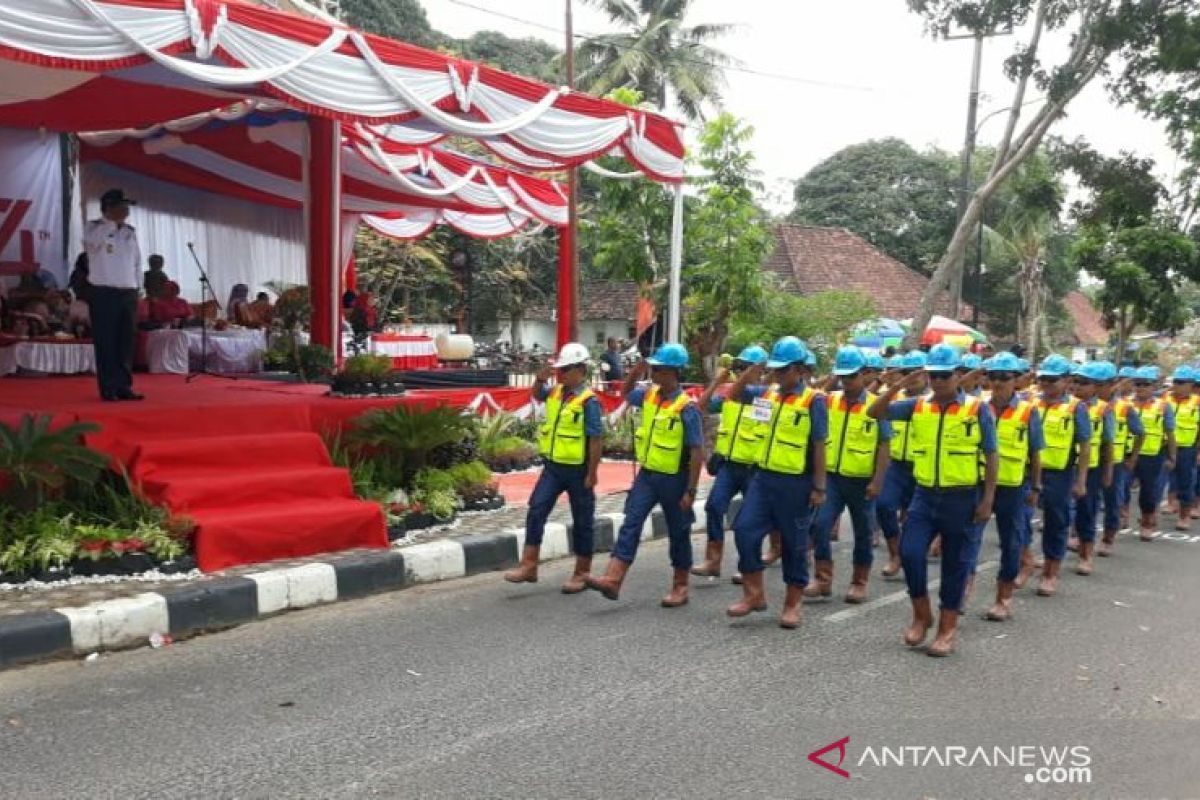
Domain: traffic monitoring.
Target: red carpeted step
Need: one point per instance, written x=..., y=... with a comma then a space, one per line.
x=225, y=453
x=252, y=534
x=188, y=492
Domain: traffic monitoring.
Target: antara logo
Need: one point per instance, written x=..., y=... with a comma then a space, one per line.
x=840, y=746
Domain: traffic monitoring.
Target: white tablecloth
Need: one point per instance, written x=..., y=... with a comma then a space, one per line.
x=403, y=346
x=67, y=358
x=229, y=351
x=167, y=351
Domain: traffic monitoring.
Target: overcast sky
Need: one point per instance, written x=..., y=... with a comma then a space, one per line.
x=856, y=70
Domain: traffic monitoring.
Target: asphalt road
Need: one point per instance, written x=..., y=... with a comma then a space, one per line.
x=477, y=689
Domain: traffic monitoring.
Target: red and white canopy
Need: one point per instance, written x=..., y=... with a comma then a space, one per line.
x=143, y=61
x=255, y=152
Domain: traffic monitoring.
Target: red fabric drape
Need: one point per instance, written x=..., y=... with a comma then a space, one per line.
x=351, y=277
x=324, y=236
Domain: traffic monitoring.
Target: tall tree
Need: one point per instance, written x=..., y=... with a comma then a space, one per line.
x=512, y=274
x=731, y=238
x=897, y=199
x=658, y=54
x=1097, y=29
x=531, y=57
x=403, y=20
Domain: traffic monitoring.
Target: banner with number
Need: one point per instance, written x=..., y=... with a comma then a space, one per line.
x=31, y=202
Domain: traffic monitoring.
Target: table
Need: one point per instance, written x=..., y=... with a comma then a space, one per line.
x=407, y=351
x=230, y=350
x=51, y=356
x=167, y=351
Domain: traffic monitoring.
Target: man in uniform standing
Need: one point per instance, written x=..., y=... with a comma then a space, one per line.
x=114, y=272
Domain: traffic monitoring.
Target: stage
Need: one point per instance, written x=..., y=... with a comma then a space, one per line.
x=245, y=459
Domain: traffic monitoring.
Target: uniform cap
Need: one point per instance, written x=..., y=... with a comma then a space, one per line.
x=669, y=355
x=1054, y=366
x=753, y=355
x=943, y=358
x=787, y=351
x=849, y=360
x=1003, y=362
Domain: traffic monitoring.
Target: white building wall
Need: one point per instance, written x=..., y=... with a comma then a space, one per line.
x=592, y=332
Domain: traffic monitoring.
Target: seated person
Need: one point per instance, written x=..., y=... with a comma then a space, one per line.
x=59, y=307
x=34, y=318
x=170, y=310
x=79, y=318
x=237, y=307
x=261, y=310
x=78, y=281
x=154, y=280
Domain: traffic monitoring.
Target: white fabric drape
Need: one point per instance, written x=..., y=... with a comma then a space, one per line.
x=237, y=241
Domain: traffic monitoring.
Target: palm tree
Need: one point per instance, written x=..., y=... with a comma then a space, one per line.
x=656, y=54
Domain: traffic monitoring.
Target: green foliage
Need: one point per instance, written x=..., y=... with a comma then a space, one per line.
x=509, y=275
x=40, y=461
x=900, y=200
x=400, y=439
x=528, y=56
x=618, y=437
x=470, y=475
x=492, y=429
x=433, y=480
x=823, y=320
x=657, y=54
x=408, y=280
x=367, y=367
x=403, y=20
x=441, y=503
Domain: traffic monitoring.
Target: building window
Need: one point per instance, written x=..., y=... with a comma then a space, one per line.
x=599, y=335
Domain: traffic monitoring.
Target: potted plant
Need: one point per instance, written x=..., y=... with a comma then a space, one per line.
x=475, y=485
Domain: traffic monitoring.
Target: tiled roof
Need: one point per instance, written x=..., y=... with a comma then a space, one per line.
x=598, y=300
x=1087, y=324
x=808, y=260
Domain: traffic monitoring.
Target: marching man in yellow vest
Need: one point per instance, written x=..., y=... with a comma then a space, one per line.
x=898, y=482
x=1158, y=450
x=790, y=482
x=735, y=453
x=1128, y=436
x=1186, y=406
x=856, y=457
x=1100, y=460
x=670, y=449
x=951, y=434
x=571, y=441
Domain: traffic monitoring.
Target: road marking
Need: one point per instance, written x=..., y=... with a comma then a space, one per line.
x=895, y=597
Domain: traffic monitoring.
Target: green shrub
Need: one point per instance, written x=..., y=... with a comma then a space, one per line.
x=41, y=463
x=400, y=439
x=367, y=367
x=470, y=475
x=440, y=503
x=433, y=480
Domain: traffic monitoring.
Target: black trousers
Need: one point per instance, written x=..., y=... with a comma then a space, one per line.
x=114, y=326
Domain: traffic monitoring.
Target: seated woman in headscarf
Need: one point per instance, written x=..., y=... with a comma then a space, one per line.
x=170, y=310
x=238, y=306
x=261, y=311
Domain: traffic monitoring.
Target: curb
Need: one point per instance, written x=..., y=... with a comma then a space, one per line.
x=224, y=603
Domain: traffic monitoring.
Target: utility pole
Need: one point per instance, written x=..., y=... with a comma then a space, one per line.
x=964, y=178
x=572, y=192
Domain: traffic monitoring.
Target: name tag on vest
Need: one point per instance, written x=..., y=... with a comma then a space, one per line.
x=761, y=410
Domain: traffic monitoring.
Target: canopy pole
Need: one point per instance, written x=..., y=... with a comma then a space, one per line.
x=673, y=308
x=324, y=219
x=566, y=286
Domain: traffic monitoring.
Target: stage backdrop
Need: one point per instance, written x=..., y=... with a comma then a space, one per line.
x=31, y=231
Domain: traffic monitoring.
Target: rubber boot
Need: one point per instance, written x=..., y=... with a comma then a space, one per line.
x=711, y=568
x=946, y=641
x=774, y=548
x=1026, y=571
x=1048, y=585
x=891, y=570
x=857, y=592
x=736, y=580
x=821, y=588
x=678, y=596
x=1001, y=610
x=1146, y=530
x=1184, y=523
x=1084, y=567
x=575, y=584
x=922, y=620
x=610, y=584
x=1105, y=549
x=526, y=571
x=793, y=608
x=754, y=598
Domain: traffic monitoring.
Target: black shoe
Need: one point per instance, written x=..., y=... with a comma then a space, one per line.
x=130, y=396
x=108, y=397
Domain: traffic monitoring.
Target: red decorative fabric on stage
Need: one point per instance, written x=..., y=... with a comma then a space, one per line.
x=407, y=351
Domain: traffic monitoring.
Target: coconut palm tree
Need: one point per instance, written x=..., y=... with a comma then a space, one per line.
x=656, y=53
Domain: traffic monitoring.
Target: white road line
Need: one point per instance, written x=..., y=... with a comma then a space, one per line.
x=895, y=597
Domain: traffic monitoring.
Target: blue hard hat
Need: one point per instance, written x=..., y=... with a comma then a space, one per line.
x=1149, y=373
x=1127, y=372
x=787, y=351
x=895, y=362
x=1094, y=371
x=915, y=359
x=1055, y=366
x=848, y=361
x=1003, y=362
x=1110, y=370
x=943, y=358
x=810, y=360
x=669, y=355
x=971, y=361
x=1024, y=364
x=875, y=361
x=753, y=355
x=1183, y=374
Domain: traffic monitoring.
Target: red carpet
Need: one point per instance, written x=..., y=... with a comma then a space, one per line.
x=244, y=458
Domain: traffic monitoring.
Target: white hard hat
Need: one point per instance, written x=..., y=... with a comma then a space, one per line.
x=571, y=354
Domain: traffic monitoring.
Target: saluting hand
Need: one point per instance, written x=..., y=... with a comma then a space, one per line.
x=545, y=373
x=913, y=380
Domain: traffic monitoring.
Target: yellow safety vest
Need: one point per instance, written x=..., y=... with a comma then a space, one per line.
x=900, y=443
x=946, y=444
x=563, y=436
x=740, y=435
x=1187, y=420
x=1012, y=440
x=1153, y=413
x=1058, y=429
x=853, y=437
x=1096, y=415
x=659, y=439
x=784, y=447
x=1122, y=440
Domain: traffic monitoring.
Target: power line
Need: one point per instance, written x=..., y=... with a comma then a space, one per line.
x=730, y=68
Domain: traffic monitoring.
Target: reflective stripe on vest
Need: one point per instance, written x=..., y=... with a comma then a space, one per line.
x=853, y=437
x=784, y=446
x=1096, y=415
x=740, y=435
x=1153, y=413
x=900, y=444
x=1012, y=443
x=659, y=439
x=1058, y=429
x=946, y=444
x=563, y=436
x=1187, y=420
x=1122, y=440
